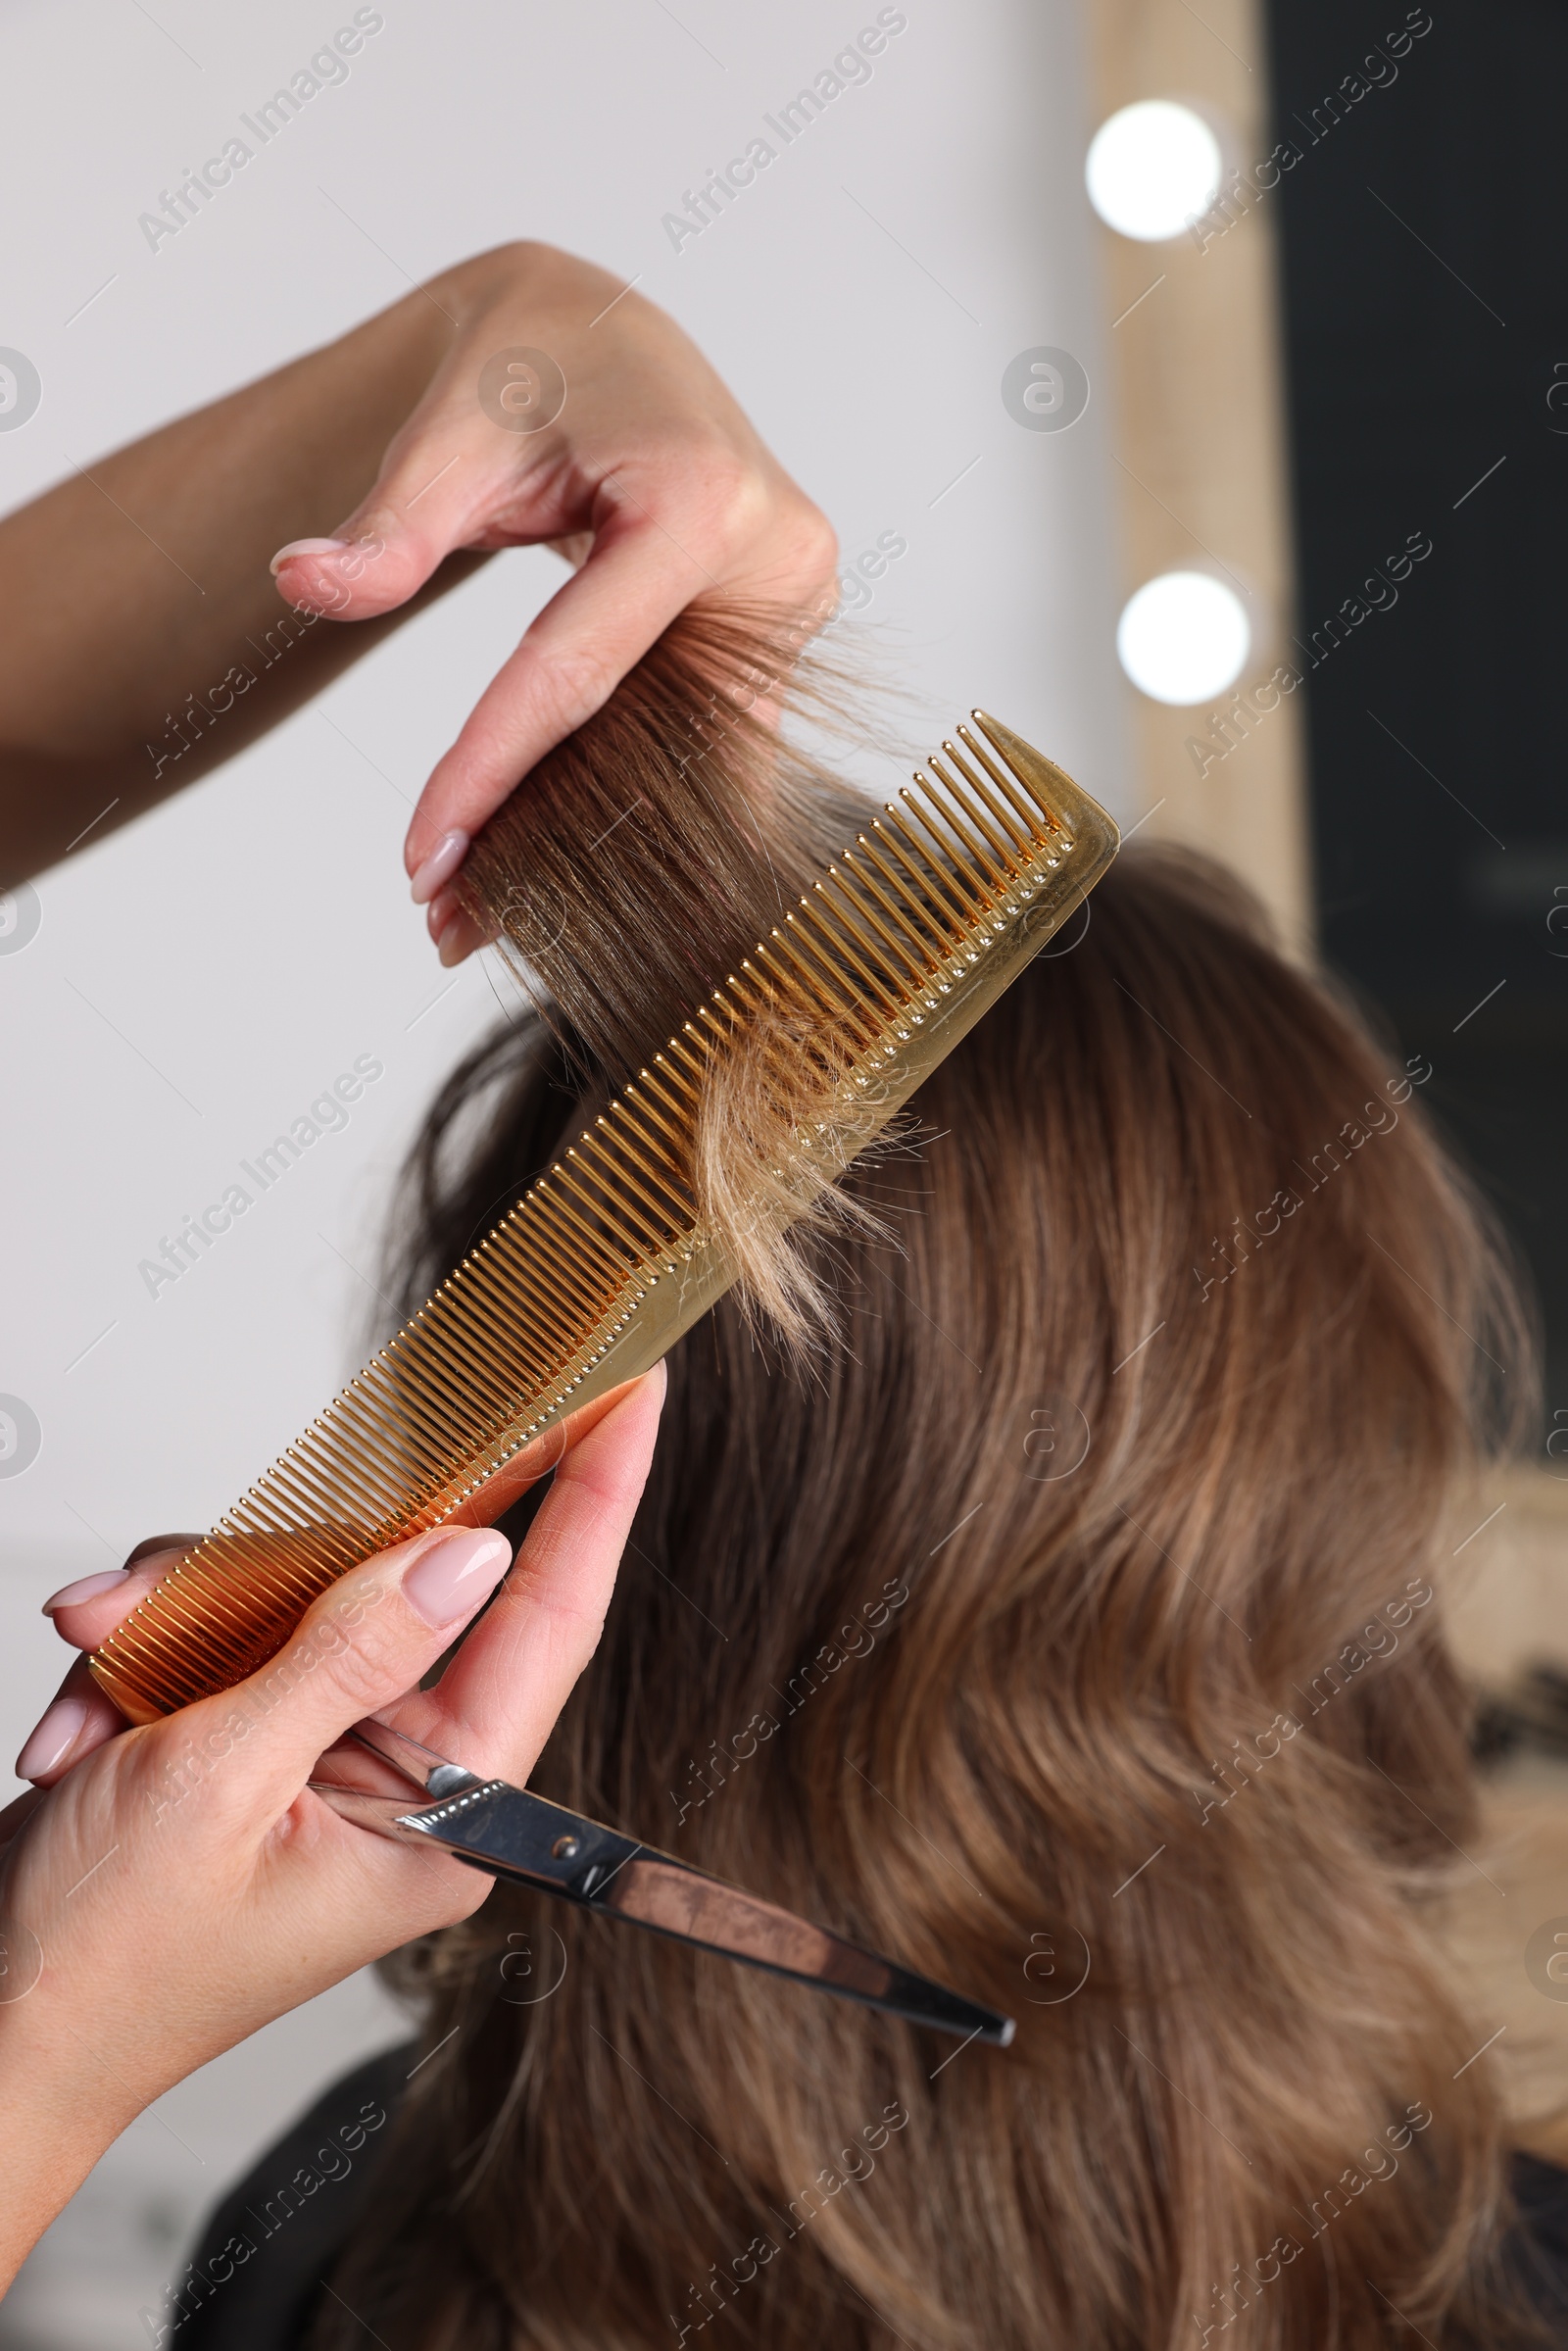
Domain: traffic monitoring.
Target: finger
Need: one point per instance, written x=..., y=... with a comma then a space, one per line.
x=364, y=1644
x=496, y=1704
x=110, y=1578
x=454, y=929
x=536, y=1461
x=152, y=1544
x=442, y=479
x=570, y=659
x=80, y=1717
x=87, y=1612
x=76, y=1720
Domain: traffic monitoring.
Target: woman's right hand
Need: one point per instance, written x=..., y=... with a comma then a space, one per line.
x=169, y=1889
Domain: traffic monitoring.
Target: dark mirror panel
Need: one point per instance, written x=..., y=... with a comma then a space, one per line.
x=1423, y=181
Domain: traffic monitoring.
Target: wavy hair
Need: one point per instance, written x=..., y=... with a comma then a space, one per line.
x=1070, y=1628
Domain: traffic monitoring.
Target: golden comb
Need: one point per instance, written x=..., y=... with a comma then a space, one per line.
x=588, y=1281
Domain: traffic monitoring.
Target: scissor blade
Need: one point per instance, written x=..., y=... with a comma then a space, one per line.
x=511, y=1833
x=655, y=1891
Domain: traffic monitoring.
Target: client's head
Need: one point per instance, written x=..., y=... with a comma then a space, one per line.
x=1064, y=1626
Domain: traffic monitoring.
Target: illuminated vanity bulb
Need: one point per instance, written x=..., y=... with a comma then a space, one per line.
x=1183, y=637
x=1152, y=168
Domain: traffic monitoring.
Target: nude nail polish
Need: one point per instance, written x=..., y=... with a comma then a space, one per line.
x=452, y=945
x=438, y=867
x=60, y=1727
x=453, y=1575
x=86, y=1588
x=286, y=555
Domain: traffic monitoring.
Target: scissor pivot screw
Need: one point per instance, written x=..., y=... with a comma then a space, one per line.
x=564, y=1849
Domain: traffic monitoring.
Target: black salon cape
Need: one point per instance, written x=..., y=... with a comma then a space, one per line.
x=294, y=2211
x=265, y=2300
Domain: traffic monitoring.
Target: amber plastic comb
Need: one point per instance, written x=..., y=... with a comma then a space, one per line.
x=592, y=1276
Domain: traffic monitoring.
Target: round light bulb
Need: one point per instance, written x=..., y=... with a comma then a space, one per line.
x=1151, y=169
x=1183, y=637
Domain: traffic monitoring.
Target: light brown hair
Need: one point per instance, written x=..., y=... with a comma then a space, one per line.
x=1068, y=1631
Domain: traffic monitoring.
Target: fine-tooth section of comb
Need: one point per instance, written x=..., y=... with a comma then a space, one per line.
x=590, y=1278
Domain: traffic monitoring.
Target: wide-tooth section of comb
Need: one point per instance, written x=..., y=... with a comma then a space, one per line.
x=590, y=1278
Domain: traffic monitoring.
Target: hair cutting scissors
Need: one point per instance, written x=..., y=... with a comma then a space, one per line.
x=511, y=1834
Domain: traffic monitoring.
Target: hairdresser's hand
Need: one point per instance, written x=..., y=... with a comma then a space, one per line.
x=649, y=479
x=179, y=1885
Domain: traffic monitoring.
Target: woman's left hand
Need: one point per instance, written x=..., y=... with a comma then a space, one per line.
x=619, y=446
x=167, y=1889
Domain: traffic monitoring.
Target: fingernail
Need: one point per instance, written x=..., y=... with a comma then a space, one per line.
x=438, y=867
x=59, y=1731
x=286, y=555
x=453, y=1575
x=86, y=1587
x=450, y=947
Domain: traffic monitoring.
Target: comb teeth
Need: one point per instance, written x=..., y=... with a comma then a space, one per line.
x=591, y=1276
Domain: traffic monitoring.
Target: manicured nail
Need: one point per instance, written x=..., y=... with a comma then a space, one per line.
x=286, y=555
x=453, y=1575
x=86, y=1587
x=59, y=1731
x=438, y=867
x=453, y=944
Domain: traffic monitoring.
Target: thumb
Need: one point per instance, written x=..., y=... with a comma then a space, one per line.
x=365, y=569
x=439, y=481
x=367, y=1640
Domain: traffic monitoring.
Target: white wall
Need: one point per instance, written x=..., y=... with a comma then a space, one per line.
x=197, y=979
